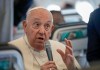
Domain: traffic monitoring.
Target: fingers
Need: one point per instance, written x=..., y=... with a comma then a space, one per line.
x=71, y=57
x=67, y=56
x=68, y=42
x=61, y=53
x=49, y=62
x=69, y=49
x=49, y=65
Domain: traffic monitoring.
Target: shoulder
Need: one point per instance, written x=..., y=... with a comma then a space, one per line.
x=56, y=42
x=57, y=45
x=17, y=41
x=96, y=12
x=94, y=19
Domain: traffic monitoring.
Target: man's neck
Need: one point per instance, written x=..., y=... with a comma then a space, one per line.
x=38, y=48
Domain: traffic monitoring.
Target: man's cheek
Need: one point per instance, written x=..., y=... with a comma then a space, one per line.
x=49, y=34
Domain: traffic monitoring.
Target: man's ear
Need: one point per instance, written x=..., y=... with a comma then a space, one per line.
x=52, y=28
x=24, y=25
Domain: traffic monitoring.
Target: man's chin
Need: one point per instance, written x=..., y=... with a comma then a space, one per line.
x=40, y=44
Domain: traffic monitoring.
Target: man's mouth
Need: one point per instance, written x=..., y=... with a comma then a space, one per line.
x=40, y=38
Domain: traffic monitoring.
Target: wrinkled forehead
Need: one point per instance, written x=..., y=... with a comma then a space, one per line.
x=40, y=13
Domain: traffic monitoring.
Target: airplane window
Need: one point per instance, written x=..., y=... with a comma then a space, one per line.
x=53, y=7
x=72, y=18
x=84, y=8
x=71, y=15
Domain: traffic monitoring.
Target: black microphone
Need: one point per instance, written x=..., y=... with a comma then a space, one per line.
x=48, y=50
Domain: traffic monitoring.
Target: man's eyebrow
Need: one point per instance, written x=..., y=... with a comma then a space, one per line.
x=49, y=21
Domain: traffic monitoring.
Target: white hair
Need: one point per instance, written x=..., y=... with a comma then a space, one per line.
x=32, y=9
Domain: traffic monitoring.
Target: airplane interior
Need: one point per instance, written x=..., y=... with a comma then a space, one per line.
x=76, y=16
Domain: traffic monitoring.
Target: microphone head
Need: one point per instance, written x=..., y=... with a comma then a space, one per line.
x=47, y=44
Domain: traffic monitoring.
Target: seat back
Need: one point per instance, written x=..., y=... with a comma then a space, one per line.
x=10, y=58
x=77, y=33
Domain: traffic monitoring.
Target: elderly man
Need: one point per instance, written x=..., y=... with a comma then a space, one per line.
x=38, y=27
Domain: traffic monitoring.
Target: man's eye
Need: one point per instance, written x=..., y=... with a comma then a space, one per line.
x=36, y=25
x=47, y=26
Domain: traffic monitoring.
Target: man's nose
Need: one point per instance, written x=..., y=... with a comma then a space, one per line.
x=41, y=30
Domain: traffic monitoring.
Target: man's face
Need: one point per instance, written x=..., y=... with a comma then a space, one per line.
x=38, y=27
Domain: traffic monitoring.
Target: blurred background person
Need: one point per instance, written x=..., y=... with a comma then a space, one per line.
x=67, y=6
x=20, y=9
x=93, y=31
x=57, y=17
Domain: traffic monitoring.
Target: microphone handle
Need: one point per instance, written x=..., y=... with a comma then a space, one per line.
x=49, y=54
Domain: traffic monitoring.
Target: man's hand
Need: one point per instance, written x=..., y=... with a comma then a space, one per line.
x=50, y=65
x=68, y=57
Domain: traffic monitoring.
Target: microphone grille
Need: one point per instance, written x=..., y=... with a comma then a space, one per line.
x=47, y=44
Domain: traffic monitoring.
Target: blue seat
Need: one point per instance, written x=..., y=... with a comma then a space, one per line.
x=10, y=58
